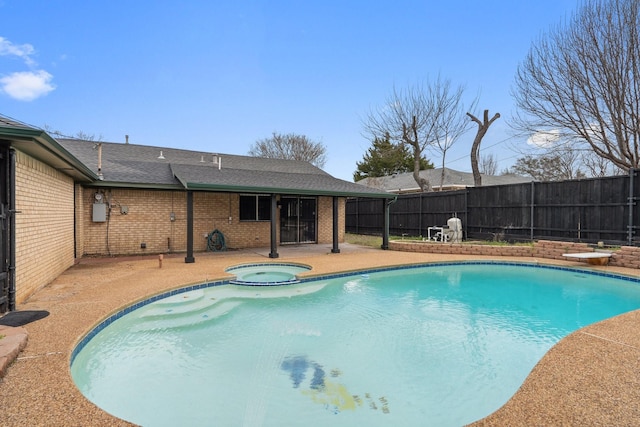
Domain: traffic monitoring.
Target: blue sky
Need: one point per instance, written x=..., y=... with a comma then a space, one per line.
x=219, y=75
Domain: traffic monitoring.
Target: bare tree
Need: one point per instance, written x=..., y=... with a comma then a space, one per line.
x=488, y=165
x=292, y=147
x=582, y=80
x=451, y=124
x=421, y=117
x=597, y=166
x=88, y=136
x=561, y=163
x=483, y=127
x=51, y=131
x=78, y=135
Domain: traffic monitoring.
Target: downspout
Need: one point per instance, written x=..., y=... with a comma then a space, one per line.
x=385, y=232
x=12, y=231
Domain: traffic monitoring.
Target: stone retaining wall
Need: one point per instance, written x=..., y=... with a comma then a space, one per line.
x=626, y=256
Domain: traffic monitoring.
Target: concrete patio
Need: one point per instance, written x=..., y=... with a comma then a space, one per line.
x=589, y=378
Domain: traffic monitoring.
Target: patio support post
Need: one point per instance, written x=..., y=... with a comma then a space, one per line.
x=274, y=224
x=189, y=258
x=335, y=249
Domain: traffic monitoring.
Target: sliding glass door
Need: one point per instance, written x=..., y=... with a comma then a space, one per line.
x=297, y=219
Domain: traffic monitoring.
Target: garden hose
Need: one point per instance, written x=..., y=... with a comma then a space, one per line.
x=215, y=241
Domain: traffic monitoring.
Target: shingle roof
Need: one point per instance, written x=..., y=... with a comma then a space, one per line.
x=404, y=182
x=38, y=144
x=12, y=123
x=140, y=165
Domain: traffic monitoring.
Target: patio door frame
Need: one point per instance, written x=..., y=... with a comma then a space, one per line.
x=298, y=220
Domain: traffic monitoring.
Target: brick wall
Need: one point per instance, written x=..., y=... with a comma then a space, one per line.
x=325, y=219
x=44, y=224
x=145, y=216
x=626, y=256
x=79, y=209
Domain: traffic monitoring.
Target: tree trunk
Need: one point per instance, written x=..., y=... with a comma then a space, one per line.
x=442, y=173
x=422, y=182
x=410, y=136
x=483, y=127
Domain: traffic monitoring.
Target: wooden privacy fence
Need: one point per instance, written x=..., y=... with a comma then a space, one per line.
x=587, y=210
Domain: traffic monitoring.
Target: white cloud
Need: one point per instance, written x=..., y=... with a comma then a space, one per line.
x=27, y=85
x=24, y=85
x=544, y=139
x=23, y=51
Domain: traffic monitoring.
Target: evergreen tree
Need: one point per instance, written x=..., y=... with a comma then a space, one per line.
x=385, y=158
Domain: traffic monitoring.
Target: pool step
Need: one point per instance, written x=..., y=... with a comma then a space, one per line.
x=178, y=306
x=184, y=318
x=194, y=307
x=181, y=298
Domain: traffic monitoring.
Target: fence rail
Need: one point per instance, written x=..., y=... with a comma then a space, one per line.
x=588, y=210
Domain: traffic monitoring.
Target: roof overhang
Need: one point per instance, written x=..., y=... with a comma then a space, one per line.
x=39, y=145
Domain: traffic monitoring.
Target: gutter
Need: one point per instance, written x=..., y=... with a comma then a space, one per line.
x=271, y=190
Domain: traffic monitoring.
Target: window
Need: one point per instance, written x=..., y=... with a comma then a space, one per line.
x=255, y=208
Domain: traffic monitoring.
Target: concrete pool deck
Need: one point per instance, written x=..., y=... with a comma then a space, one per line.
x=591, y=377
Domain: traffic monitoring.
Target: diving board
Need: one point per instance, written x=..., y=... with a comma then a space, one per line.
x=593, y=258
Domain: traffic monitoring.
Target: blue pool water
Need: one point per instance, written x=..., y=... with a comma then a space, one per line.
x=439, y=345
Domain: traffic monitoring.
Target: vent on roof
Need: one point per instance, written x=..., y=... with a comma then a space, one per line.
x=217, y=160
x=99, y=147
x=161, y=157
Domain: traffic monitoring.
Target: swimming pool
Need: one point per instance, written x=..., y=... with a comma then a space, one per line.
x=443, y=344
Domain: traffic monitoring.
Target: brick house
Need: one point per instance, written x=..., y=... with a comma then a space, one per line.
x=62, y=199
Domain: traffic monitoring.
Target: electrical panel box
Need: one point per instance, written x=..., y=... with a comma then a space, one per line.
x=99, y=212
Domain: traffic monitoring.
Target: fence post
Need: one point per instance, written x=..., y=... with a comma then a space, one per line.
x=630, y=226
x=465, y=228
x=533, y=198
x=420, y=217
x=385, y=229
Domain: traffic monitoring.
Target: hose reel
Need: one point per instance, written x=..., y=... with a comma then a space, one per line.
x=215, y=241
